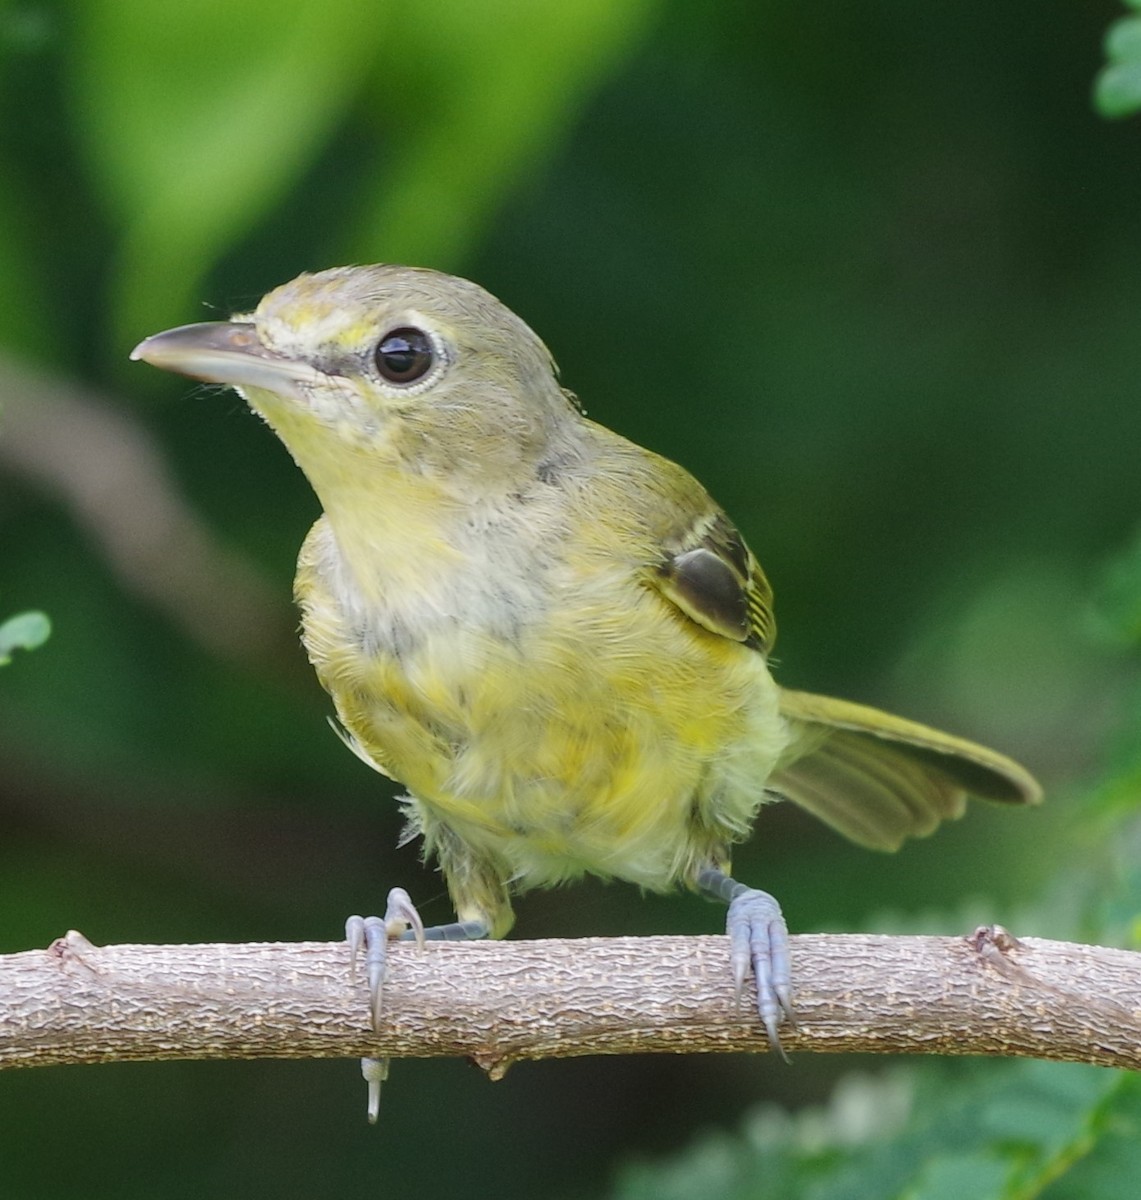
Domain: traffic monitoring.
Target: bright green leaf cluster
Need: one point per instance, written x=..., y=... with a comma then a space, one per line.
x=1117, y=91
x=1009, y=1133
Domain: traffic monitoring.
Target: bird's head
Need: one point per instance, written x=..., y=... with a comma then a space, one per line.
x=415, y=370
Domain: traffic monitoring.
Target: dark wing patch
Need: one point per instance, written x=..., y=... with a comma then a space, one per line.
x=712, y=576
x=707, y=589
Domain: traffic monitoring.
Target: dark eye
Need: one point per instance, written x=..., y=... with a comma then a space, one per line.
x=405, y=355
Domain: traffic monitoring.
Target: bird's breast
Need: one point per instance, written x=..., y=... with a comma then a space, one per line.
x=557, y=722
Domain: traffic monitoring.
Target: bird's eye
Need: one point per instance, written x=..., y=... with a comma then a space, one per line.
x=405, y=355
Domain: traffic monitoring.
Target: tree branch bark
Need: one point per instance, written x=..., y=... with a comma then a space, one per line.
x=498, y=1002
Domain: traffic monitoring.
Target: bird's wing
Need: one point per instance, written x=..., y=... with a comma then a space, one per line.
x=877, y=778
x=874, y=777
x=712, y=576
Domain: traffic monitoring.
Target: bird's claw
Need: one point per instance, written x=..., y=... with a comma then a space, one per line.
x=372, y=935
x=375, y=1072
x=758, y=944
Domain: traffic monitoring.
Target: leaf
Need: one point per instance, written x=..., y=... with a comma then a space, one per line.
x=196, y=123
x=25, y=631
x=1123, y=41
x=1112, y=1172
x=470, y=95
x=952, y=1177
x=1117, y=91
x=196, y=117
x=988, y=1130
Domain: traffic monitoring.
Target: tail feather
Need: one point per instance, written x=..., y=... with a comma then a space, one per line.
x=878, y=779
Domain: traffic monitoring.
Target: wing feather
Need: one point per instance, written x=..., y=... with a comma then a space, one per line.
x=712, y=576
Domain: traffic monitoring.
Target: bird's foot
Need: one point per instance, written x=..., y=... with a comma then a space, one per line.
x=758, y=945
x=372, y=935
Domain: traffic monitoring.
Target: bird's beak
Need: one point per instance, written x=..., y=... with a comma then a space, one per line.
x=225, y=352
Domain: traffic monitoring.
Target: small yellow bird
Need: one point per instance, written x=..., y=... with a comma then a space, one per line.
x=552, y=637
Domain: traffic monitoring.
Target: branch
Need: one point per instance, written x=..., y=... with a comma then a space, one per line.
x=497, y=1002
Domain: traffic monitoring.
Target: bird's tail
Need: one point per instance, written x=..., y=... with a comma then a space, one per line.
x=877, y=778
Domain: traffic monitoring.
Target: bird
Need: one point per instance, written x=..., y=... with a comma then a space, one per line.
x=552, y=637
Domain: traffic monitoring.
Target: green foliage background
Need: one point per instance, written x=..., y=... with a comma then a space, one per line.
x=872, y=271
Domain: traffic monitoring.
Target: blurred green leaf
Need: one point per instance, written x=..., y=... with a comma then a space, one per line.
x=25, y=631
x=981, y=1130
x=1112, y=1170
x=978, y=1174
x=197, y=116
x=469, y=95
x=197, y=123
x=1117, y=615
x=1123, y=42
x=1117, y=90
